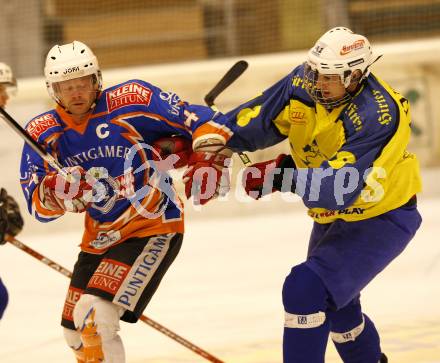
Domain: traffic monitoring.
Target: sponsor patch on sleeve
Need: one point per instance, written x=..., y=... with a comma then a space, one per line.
x=41, y=124
x=128, y=94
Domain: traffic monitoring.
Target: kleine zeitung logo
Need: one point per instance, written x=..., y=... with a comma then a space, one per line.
x=128, y=94
x=41, y=124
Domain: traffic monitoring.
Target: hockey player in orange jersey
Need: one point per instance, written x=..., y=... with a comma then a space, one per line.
x=111, y=142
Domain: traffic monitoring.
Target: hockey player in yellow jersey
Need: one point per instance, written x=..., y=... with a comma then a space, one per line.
x=348, y=131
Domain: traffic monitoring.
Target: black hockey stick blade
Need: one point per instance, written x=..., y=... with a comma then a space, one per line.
x=234, y=72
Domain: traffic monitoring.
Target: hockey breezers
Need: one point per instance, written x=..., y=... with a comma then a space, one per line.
x=155, y=325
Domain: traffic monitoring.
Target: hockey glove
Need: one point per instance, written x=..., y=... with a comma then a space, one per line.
x=175, y=145
x=72, y=193
x=11, y=221
x=264, y=178
x=207, y=175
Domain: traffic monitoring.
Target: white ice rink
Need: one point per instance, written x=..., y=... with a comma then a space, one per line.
x=223, y=292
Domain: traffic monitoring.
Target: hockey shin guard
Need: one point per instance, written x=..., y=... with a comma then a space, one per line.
x=98, y=322
x=91, y=340
x=306, y=329
x=354, y=335
x=73, y=339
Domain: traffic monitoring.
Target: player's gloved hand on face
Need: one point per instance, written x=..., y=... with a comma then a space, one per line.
x=177, y=146
x=11, y=221
x=207, y=175
x=72, y=192
x=264, y=178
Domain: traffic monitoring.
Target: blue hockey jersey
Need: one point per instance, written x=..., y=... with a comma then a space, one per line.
x=351, y=162
x=114, y=145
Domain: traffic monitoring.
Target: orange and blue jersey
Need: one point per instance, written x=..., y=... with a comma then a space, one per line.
x=113, y=144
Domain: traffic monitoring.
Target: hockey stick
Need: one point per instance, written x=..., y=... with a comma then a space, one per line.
x=32, y=143
x=230, y=76
x=145, y=319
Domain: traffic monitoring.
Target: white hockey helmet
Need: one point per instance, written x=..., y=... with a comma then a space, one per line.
x=338, y=52
x=70, y=61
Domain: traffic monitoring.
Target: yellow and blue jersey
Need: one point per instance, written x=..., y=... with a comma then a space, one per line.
x=127, y=119
x=351, y=161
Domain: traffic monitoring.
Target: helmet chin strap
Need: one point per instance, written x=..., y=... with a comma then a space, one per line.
x=366, y=72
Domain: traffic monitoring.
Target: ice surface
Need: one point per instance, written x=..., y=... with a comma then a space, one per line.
x=223, y=292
